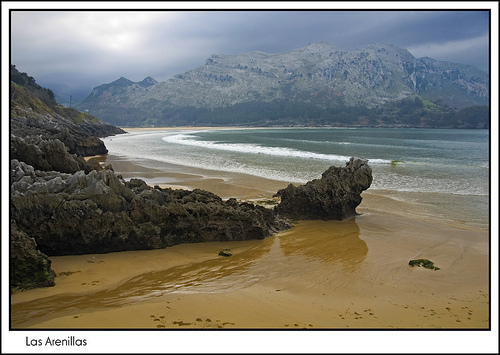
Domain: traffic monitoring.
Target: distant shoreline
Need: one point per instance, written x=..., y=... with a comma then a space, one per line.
x=126, y=128
x=171, y=128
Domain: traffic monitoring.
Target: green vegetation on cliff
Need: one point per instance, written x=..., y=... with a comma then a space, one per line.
x=413, y=112
x=24, y=80
x=26, y=93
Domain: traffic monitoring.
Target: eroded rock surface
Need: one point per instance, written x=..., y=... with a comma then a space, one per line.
x=29, y=267
x=98, y=212
x=333, y=197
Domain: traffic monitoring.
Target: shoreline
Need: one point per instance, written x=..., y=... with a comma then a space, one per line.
x=254, y=188
x=167, y=128
x=351, y=274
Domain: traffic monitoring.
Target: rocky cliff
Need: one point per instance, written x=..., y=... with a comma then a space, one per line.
x=33, y=119
x=317, y=77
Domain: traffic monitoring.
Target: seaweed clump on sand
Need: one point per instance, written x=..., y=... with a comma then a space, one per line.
x=423, y=262
x=226, y=252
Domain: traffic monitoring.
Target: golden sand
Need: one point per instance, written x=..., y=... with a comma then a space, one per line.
x=327, y=275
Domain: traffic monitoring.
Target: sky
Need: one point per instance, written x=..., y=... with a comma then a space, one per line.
x=73, y=51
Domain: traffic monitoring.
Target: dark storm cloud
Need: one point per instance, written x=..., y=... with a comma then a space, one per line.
x=74, y=51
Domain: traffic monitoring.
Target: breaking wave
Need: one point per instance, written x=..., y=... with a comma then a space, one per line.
x=189, y=140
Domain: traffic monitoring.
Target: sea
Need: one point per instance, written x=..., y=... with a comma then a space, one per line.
x=444, y=171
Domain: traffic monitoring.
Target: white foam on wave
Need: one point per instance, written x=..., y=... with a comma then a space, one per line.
x=317, y=142
x=189, y=140
x=401, y=183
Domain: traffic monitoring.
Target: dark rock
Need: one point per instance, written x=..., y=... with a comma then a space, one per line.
x=29, y=268
x=333, y=197
x=97, y=212
x=48, y=155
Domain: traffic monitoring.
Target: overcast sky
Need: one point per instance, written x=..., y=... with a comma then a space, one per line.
x=73, y=51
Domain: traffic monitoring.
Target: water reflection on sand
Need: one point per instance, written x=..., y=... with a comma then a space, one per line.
x=293, y=256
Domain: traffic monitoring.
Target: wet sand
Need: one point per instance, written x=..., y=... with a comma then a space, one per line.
x=350, y=274
x=327, y=275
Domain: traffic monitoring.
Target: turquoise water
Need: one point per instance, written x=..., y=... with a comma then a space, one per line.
x=415, y=161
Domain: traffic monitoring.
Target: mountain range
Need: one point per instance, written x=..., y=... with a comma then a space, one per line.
x=316, y=83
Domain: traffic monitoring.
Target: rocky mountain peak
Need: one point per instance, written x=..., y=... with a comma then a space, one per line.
x=122, y=82
x=149, y=81
x=319, y=75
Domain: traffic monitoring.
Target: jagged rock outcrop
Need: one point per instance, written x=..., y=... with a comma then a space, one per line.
x=98, y=212
x=29, y=268
x=335, y=196
x=48, y=155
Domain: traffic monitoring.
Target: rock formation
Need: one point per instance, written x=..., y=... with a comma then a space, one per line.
x=58, y=213
x=47, y=155
x=98, y=212
x=295, y=87
x=335, y=196
x=29, y=268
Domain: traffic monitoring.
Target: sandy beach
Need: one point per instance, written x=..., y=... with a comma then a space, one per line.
x=350, y=274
